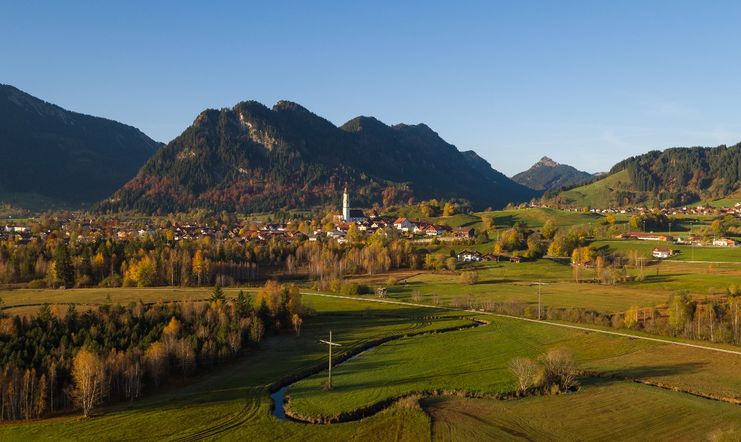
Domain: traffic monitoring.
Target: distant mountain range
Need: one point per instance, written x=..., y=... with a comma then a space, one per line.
x=547, y=174
x=56, y=157
x=253, y=158
x=673, y=177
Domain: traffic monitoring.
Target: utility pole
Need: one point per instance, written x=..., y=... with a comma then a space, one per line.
x=539, y=284
x=330, y=344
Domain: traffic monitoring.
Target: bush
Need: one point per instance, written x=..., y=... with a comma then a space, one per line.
x=469, y=278
x=37, y=284
x=111, y=281
x=350, y=289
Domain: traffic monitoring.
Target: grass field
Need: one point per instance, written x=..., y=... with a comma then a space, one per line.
x=505, y=282
x=24, y=301
x=598, y=193
x=232, y=403
x=537, y=217
x=476, y=360
x=615, y=411
x=686, y=252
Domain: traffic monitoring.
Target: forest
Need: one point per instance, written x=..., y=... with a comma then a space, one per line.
x=59, y=360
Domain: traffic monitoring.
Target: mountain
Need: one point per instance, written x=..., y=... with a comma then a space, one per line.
x=673, y=177
x=255, y=158
x=547, y=174
x=54, y=156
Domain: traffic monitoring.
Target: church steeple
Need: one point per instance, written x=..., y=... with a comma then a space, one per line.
x=345, y=205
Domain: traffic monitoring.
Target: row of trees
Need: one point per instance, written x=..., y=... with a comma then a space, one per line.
x=55, y=360
x=717, y=320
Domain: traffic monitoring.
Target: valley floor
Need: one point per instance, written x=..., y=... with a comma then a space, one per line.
x=233, y=402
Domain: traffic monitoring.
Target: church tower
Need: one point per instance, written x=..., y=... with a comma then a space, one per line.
x=345, y=205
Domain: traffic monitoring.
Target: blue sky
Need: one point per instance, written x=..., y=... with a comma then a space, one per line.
x=586, y=83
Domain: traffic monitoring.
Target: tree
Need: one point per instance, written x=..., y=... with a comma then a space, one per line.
x=65, y=272
x=560, y=368
x=296, y=321
x=549, y=229
x=631, y=317
x=88, y=377
x=526, y=371
x=448, y=209
x=200, y=266
x=155, y=360
x=487, y=222
x=41, y=393
x=218, y=294
x=678, y=310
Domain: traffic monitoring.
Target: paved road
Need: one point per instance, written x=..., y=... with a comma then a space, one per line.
x=554, y=324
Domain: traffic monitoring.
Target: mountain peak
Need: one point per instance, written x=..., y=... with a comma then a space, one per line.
x=547, y=174
x=546, y=162
x=287, y=105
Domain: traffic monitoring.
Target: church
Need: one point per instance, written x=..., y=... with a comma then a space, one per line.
x=351, y=215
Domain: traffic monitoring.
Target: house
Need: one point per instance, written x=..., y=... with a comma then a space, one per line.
x=516, y=259
x=646, y=236
x=724, y=242
x=433, y=230
x=464, y=232
x=469, y=256
x=662, y=252
x=403, y=224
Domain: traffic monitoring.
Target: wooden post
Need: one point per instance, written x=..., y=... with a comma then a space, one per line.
x=330, y=344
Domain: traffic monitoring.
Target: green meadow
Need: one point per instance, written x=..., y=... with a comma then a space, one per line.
x=232, y=402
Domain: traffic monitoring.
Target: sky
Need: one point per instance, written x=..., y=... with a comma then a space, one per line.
x=587, y=83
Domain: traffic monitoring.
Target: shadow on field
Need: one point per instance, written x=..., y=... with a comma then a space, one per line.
x=668, y=277
x=645, y=372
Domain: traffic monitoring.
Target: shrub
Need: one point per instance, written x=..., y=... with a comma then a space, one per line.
x=469, y=278
x=37, y=284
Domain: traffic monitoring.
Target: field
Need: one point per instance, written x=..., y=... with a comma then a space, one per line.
x=232, y=403
x=615, y=411
x=510, y=282
x=599, y=193
x=686, y=252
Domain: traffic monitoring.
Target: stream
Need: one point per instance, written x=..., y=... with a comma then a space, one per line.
x=279, y=396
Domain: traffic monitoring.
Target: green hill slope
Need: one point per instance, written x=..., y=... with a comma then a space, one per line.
x=57, y=158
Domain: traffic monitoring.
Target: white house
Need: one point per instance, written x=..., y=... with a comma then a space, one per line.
x=469, y=256
x=662, y=252
x=724, y=242
x=403, y=224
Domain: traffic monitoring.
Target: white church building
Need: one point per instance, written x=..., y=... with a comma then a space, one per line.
x=348, y=214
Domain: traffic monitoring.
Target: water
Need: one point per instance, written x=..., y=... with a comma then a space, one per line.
x=278, y=398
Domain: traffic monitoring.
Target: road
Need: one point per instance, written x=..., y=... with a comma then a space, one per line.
x=518, y=318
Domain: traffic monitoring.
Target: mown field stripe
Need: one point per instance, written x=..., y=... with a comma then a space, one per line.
x=537, y=321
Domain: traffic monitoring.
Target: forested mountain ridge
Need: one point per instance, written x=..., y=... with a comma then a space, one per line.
x=254, y=158
x=58, y=155
x=673, y=177
x=547, y=174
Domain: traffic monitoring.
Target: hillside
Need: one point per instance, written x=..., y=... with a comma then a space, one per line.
x=547, y=174
x=254, y=158
x=673, y=177
x=52, y=156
